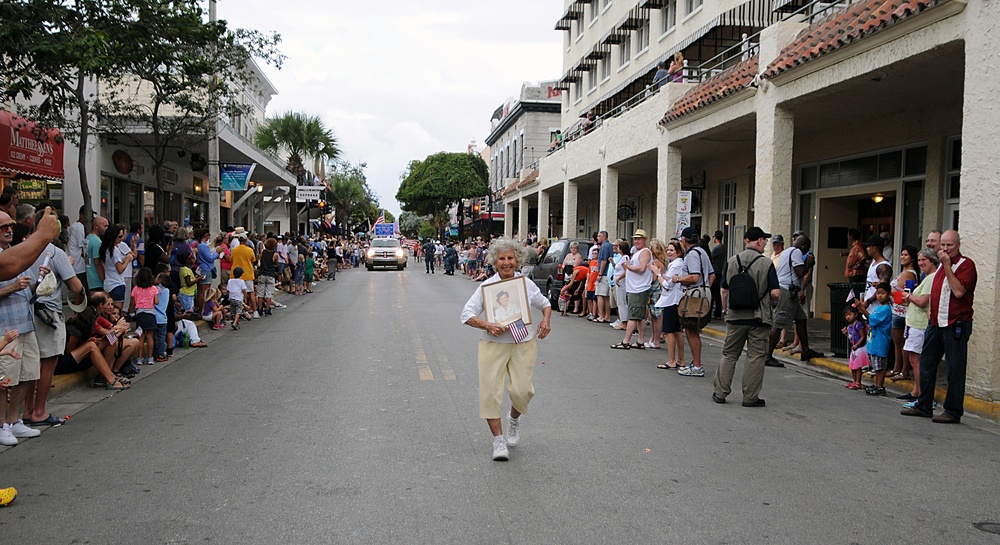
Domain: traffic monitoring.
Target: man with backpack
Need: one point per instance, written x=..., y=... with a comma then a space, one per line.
x=749, y=287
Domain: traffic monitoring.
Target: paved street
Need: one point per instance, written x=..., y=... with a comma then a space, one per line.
x=352, y=417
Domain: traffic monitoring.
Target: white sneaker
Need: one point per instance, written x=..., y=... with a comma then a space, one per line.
x=256, y=314
x=20, y=430
x=691, y=371
x=500, y=452
x=616, y=323
x=513, y=431
x=7, y=438
x=278, y=305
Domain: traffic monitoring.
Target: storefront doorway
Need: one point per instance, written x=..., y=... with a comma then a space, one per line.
x=837, y=215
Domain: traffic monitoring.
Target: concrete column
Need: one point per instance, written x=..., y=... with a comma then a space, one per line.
x=570, y=206
x=773, y=202
x=522, y=217
x=543, y=214
x=668, y=183
x=508, y=218
x=607, y=215
x=980, y=198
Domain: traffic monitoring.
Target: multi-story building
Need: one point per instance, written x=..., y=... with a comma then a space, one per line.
x=123, y=185
x=522, y=131
x=878, y=115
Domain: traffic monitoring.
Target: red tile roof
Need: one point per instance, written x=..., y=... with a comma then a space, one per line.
x=844, y=27
x=531, y=177
x=714, y=89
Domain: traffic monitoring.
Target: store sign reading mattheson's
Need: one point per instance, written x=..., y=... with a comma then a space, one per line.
x=22, y=151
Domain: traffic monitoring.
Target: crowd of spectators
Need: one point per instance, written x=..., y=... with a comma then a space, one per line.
x=132, y=294
x=900, y=325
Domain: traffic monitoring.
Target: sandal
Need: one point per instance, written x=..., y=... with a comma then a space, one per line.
x=621, y=346
x=118, y=384
x=664, y=366
x=637, y=346
x=199, y=344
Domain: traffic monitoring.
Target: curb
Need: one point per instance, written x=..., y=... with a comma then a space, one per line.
x=65, y=383
x=982, y=408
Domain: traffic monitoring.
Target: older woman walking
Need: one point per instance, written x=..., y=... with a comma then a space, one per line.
x=500, y=355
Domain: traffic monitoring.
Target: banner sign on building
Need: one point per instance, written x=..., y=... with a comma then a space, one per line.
x=306, y=193
x=235, y=176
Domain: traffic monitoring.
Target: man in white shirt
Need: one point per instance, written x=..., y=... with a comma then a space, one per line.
x=75, y=247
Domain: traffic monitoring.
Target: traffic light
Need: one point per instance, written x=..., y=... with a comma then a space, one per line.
x=475, y=210
x=322, y=206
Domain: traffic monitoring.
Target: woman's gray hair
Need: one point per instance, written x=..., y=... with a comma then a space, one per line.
x=574, y=244
x=931, y=256
x=503, y=245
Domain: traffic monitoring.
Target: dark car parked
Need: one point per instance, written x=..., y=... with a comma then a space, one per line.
x=546, y=271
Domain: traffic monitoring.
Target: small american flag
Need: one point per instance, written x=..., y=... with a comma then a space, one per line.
x=112, y=338
x=381, y=218
x=518, y=330
x=851, y=296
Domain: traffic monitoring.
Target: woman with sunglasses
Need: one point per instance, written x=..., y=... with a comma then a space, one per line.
x=116, y=262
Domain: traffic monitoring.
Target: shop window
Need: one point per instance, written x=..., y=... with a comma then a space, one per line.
x=727, y=216
x=916, y=161
x=886, y=166
x=149, y=207
x=200, y=186
x=953, y=185
x=809, y=178
x=890, y=165
x=105, y=196
x=913, y=213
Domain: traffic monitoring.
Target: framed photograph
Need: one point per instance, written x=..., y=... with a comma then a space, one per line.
x=507, y=301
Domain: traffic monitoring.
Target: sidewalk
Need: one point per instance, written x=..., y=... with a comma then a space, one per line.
x=72, y=393
x=819, y=340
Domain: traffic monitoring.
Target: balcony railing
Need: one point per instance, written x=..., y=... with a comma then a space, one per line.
x=750, y=45
x=747, y=47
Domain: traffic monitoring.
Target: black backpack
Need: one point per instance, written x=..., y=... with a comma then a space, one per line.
x=743, y=288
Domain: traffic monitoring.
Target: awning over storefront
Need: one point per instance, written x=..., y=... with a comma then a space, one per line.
x=27, y=149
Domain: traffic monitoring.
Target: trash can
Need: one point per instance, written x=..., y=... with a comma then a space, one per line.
x=838, y=302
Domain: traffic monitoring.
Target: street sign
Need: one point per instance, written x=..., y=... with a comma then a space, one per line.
x=385, y=230
x=306, y=193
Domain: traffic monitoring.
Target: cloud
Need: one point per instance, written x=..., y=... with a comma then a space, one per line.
x=400, y=80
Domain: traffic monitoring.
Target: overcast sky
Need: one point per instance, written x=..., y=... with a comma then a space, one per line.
x=398, y=80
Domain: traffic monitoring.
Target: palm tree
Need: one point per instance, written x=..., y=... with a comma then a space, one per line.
x=299, y=134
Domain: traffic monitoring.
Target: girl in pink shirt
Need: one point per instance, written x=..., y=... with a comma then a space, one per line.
x=145, y=296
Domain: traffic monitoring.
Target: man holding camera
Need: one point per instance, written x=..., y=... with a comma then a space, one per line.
x=792, y=267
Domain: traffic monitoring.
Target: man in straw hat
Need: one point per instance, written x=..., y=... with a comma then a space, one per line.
x=638, y=278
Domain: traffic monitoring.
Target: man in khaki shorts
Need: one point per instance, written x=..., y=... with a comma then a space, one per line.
x=16, y=314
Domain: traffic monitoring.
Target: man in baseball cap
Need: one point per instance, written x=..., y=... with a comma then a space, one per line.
x=748, y=319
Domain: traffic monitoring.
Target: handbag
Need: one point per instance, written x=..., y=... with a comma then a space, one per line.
x=696, y=303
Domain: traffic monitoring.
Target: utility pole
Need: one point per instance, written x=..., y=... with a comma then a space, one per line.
x=214, y=188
